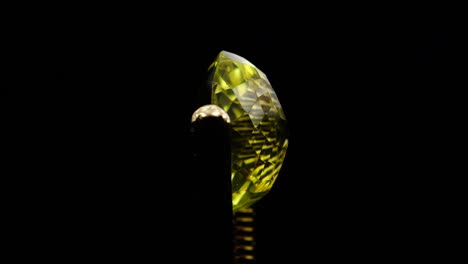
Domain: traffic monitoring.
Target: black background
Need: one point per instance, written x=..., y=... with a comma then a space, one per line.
x=361, y=94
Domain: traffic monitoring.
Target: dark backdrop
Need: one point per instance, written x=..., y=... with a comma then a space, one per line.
x=358, y=95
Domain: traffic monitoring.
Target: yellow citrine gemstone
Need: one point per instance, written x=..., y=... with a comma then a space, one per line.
x=259, y=129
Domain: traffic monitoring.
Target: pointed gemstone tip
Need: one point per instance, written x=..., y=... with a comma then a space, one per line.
x=235, y=58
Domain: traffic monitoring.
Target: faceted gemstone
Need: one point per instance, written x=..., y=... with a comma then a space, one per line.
x=259, y=130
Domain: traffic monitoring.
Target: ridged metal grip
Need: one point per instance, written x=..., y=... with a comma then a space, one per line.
x=244, y=236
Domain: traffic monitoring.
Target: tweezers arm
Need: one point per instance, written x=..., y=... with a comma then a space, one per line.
x=210, y=134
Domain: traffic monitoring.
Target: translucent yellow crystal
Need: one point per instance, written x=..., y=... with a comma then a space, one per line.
x=259, y=130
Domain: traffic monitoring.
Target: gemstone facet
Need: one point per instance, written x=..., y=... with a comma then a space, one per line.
x=259, y=128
